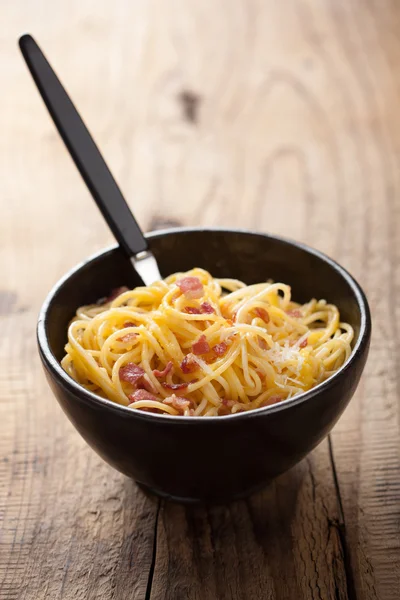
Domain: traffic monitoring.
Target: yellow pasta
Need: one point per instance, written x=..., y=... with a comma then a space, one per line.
x=194, y=345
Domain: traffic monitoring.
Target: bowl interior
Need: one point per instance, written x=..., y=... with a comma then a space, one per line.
x=247, y=256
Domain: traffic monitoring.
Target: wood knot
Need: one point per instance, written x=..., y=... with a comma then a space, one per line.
x=190, y=106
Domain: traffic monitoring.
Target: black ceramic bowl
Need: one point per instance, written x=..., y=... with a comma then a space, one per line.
x=207, y=458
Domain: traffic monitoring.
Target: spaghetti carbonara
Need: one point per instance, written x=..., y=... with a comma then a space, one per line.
x=194, y=345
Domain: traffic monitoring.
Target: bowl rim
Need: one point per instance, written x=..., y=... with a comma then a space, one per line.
x=54, y=366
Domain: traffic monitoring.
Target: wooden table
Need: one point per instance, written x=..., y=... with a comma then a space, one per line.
x=277, y=116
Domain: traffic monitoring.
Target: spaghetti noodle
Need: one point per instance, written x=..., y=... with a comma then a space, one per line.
x=194, y=345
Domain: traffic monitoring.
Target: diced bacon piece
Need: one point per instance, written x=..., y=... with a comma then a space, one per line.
x=262, y=314
x=191, y=287
x=234, y=315
x=137, y=377
x=271, y=400
x=262, y=343
x=142, y=395
x=131, y=373
x=201, y=346
x=226, y=407
x=192, y=310
x=179, y=403
x=206, y=308
x=165, y=371
x=130, y=324
x=117, y=292
x=128, y=337
x=260, y=374
x=189, y=364
x=304, y=343
x=227, y=402
x=146, y=384
x=220, y=349
x=275, y=399
x=294, y=313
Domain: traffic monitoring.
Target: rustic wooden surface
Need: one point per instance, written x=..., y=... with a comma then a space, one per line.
x=278, y=116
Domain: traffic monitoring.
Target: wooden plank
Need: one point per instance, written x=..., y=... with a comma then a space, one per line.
x=366, y=442
x=71, y=527
x=284, y=543
x=276, y=116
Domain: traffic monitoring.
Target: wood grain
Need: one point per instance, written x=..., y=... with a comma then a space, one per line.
x=282, y=543
x=280, y=117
